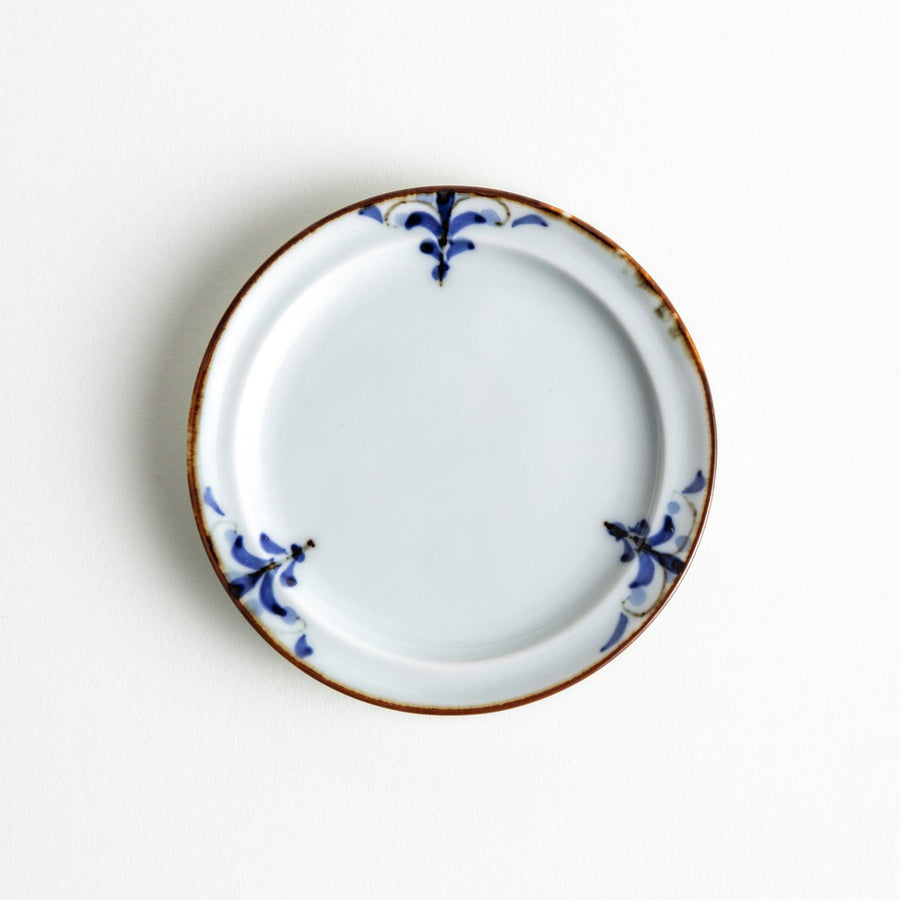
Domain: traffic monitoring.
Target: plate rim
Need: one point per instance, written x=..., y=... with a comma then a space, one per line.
x=197, y=394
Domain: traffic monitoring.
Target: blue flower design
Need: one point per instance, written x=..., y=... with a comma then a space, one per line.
x=444, y=226
x=264, y=572
x=660, y=556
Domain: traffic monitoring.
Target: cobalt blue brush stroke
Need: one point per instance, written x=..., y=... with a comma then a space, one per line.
x=262, y=574
x=443, y=226
x=662, y=552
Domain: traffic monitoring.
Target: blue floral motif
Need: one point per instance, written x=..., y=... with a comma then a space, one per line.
x=660, y=556
x=262, y=575
x=435, y=213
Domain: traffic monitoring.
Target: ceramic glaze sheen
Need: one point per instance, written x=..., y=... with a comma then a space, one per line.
x=450, y=449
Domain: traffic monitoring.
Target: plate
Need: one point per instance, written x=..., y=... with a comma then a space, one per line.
x=450, y=450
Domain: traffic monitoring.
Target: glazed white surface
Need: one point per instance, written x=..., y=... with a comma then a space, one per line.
x=454, y=449
x=152, y=746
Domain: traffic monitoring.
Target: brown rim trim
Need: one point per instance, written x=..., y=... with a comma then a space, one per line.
x=197, y=398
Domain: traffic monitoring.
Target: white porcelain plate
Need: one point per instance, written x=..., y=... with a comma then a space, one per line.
x=450, y=449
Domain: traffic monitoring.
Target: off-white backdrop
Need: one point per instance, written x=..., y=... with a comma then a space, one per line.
x=151, y=745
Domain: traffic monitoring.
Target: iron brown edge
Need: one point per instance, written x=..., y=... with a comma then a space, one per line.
x=197, y=397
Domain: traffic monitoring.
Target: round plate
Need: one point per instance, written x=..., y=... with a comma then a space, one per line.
x=450, y=449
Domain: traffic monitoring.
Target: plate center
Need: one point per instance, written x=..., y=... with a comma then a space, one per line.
x=453, y=450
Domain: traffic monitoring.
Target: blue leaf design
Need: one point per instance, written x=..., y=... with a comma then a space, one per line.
x=664, y=533
x=262, y=576
x=530, y=219
x=244, y=556
x=423, y=220
x=240, y=586
x=269, y=545
x=267, y=595
x=641, y=528
x=459, y=246
x=646, y=571
x=696, y=485
x=373, y=212
x=286, y=577
x=635, y=542
x=430, y=248
x=670, y=562
x=210, y=501
x=616, y=636
x=444, y=226
x=463, y=220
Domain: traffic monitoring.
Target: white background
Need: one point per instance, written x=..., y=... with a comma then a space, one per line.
x=151, y=745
